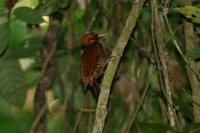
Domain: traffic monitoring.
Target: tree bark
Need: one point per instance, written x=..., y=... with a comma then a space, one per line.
x=162, y=61
x=101, y=110
x=194, y=82
x=49, y=71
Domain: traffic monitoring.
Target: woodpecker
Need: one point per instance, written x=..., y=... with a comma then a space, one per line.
x=93, y=59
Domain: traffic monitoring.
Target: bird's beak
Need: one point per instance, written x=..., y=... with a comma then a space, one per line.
x=102, y=35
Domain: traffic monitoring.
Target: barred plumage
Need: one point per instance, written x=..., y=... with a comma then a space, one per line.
x=93, y=59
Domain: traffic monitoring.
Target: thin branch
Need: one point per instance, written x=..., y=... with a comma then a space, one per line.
x=37, y=119
x=194, y=81
x=108, y=15
x=160, y=50
x=118, y=25
x=134, y=115
x=196, y=103
x=156, y=54
x=92, y=21
x=77, y=122
x=143, y=51
x=69, y=44
x=101, y=110
x=165, y=11
x=48, y=59
x=198, y=30
x=49, y=70
x=158, y=65
x=86, y=110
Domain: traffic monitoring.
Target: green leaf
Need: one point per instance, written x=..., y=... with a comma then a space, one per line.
x=28, y=15
x=54, y=124
x=9, y=123
x=3, y=15
x=3, y=11
x=192, y=128
x=26, y=48
x=195, y=53
x=78, y=13
x=190, y=12
x=184, y=107
x=48, y=7
x=19, y=32
x=51, y=6
x=5, y=36
x=63, y=3
x=2, y=2
x=12, y=84
x=153, y=127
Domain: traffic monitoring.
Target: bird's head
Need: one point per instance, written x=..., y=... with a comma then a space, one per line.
x=91, y=38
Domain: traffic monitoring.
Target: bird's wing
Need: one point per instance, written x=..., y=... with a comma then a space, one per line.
x=90, y=59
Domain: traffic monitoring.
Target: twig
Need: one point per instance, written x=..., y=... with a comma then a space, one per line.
x=165, y=10
x=166, y=3
x=117, y=25
x=158, y=64
x=37, y=119
x=49, y=70
x=198, y=30
x=108, y=15
x=196, y=103
x=163, y=62
x=77, y=122
x=144, y=52
x=47, y=60
x=69, y=47
x=101, y=110
x=92, y=21
x=156, y=54
x=194, y=81
x=134, y=115
x=86, y=110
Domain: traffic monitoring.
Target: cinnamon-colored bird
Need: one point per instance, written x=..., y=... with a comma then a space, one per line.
x=93, y=59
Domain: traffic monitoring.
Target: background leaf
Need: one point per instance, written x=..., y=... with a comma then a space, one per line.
x=28, y=15
x=51, y=6
x=25, y=44
x=5, y=36
x=3, y=10
x=12, y=85
x=2, y=2
x=27, y=48
x=192, y=128
x=48, y=7
x=3, y=14
x=19, y=32
x=195, y=53
x=190, y=12
x=184, y=107
x=10, y=124
x=153, y=127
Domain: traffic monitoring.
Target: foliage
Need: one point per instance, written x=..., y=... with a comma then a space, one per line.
x=28, y=15
x=195, y=53
x=190, y=12
x=5, y=36
x=14, y=121
x=12, y=85
x=70, y=108
x=153, y=128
